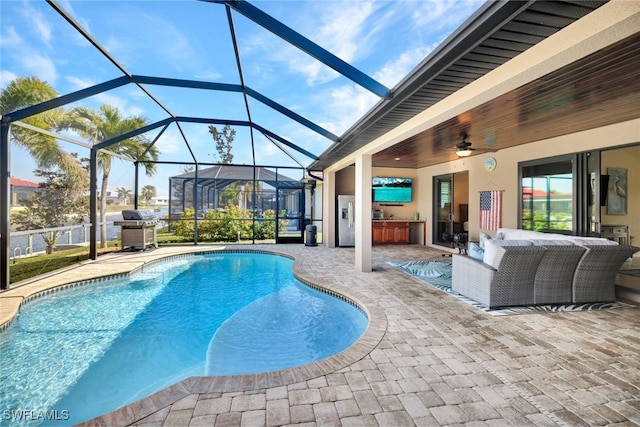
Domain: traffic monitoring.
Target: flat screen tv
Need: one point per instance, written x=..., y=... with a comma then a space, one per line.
x=391, y=190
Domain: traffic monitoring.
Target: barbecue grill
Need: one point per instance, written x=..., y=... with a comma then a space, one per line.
x=138, y=229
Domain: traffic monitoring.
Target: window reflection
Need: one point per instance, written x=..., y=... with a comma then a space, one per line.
x=547, y=197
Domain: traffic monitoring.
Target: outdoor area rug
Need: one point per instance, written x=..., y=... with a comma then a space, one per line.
x=438, y=275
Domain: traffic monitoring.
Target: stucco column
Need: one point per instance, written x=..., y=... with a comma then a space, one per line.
x=329, y=209
x=363, y=213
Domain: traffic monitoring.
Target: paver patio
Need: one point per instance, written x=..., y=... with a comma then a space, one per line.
x=437, y=361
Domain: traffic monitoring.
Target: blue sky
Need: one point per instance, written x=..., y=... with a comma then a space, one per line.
x=190, y=40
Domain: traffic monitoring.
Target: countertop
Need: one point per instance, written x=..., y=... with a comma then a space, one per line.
x=399, y=220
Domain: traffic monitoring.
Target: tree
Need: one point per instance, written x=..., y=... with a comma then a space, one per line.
x=105, y=124
x=224, y=142
x=52, y=205
x=148, y=192
x=124, y=194
x=27, y=91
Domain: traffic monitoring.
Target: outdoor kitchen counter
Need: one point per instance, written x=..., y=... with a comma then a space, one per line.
x=398, y=231
x=399, y=220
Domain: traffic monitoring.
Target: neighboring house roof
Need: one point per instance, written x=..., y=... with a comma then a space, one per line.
x=528, y=193
x=22, y=183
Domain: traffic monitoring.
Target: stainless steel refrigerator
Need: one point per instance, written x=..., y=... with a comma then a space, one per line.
x=346, y=220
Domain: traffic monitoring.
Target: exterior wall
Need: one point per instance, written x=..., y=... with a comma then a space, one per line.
x=505, y=175
x=610, y=23
x=628, y=158
x=407, y=209
x=346, y=181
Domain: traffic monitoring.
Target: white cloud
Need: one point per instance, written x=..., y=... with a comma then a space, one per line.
x=6, y=77
x=43, y=27
x=10, y=38
x=437, y=15
x=347, y=29
x=119, y=102
x=210, y=76
x=396, y=69
x=23, y=55
x=170, y=142
x=153, y=36
x=40, y=66
x=266, y=149
x=38, y=22
x=344, y=29
x=348, y=104
x=78, y=83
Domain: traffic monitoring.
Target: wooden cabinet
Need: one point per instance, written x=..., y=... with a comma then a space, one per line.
x=390, y=232
x=377, y=233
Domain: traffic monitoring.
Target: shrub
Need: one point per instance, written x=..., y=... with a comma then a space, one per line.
x=228, y=225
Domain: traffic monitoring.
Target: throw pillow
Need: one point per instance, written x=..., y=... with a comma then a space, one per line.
x=475, y=251
x=484, y=237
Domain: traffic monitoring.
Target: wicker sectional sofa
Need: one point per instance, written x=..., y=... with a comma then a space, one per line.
x=521, y=267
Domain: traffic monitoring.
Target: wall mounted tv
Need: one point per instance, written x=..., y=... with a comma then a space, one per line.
x=391, y=190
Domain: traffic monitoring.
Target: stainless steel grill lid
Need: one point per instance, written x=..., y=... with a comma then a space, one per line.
x=137, y=215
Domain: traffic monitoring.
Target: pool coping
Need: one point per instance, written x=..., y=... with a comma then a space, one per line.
x=12, y=300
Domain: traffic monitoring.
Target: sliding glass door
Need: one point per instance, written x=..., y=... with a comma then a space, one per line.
x=562, y=194
x=547, y=191
x=443, y=210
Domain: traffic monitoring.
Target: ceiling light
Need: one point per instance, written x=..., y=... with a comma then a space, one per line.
x=397, y=158
x=463, y=148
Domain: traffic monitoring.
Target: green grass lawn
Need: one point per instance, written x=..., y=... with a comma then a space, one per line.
x=31, y=266
x=28, y=267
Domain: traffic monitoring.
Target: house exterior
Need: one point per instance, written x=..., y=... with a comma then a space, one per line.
x=21, y=189
x=550, y=110
x=535, y=89
x=159, y=201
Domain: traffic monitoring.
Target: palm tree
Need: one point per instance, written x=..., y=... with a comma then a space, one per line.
x=27, y=91
x=147, y=193
x=105, y=124
x=124, y=194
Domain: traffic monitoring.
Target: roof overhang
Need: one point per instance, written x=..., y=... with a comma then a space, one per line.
x=494, y=35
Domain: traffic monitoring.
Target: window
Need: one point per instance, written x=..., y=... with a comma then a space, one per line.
x=547, y=195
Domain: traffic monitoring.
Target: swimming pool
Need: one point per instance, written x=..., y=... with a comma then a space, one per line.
x=94, y=348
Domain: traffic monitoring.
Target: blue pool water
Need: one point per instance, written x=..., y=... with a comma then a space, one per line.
x=82, y=352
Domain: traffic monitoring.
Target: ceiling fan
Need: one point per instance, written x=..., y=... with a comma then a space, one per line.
x=463, y=148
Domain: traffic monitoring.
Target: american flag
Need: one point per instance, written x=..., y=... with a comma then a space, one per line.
x=490, y=210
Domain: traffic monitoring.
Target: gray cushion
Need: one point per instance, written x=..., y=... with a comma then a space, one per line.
x=547, y=242
x=491, y=247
